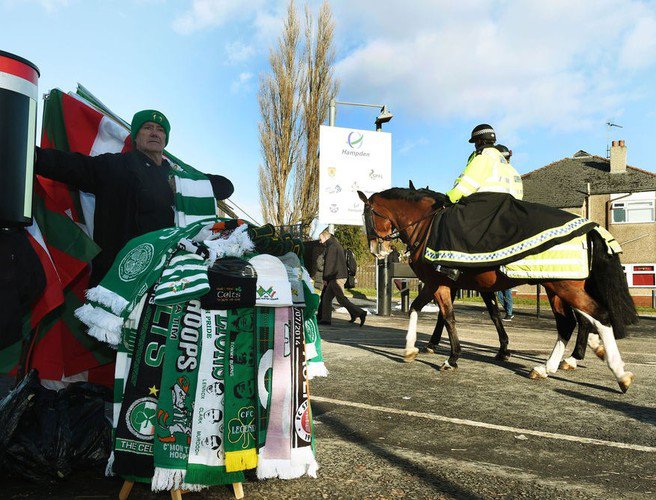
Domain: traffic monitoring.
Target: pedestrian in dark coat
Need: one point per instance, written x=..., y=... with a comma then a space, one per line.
x=335, y=274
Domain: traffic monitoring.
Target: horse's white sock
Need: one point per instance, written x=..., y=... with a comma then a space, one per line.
x=613, y=357
x=411, y=336
x=556, y=355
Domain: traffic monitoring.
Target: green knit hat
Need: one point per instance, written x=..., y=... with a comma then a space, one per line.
x=149, y=115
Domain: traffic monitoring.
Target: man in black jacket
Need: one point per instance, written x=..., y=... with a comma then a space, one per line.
x=133, y=190
x=334, y=277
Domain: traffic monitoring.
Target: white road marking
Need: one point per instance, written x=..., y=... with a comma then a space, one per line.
x=484, y=425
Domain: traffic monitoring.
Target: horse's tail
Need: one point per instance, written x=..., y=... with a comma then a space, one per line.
x=607, y=285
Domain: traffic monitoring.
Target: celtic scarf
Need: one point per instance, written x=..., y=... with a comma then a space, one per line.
x=133, y=448
x=206, y=464
x=265, y=319
x=315, y=364
x=274, y=459
x=122, y=369
x=136, y=268
x=302, y=455
x=178, y=387
x=239, y=366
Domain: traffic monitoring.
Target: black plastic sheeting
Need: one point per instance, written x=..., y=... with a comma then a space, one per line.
x=46, y=435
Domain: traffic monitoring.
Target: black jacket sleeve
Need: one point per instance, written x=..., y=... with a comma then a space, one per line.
x=334, y=266
x=86, y=173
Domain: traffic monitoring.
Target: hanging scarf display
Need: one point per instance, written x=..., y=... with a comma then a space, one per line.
x=265, y=322
x=239, y=364
x=302, y=454
x=133, y=448
x=206, y=463
x=137, y=267
x=178, y=387
x=274, y=459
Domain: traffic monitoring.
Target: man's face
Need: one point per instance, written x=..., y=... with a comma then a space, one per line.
x=151, y=138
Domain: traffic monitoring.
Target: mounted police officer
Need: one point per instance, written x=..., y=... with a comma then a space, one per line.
x=487, y=169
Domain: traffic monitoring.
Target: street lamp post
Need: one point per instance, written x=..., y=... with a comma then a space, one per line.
x=384, y=284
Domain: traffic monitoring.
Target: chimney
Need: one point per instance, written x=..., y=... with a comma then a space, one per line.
x=617, y=157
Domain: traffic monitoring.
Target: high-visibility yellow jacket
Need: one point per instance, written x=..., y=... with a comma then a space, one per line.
x=488, y=171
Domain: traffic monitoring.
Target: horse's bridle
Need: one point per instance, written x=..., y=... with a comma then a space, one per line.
x=370, y=226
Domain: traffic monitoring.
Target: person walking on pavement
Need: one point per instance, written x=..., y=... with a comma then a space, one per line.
x=335, y=274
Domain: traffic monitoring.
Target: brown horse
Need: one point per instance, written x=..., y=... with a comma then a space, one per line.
x=602, y=298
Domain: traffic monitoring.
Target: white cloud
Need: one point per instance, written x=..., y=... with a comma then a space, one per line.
x=242, y=82
x=409, y=145
x=238, y=52
x=559, y=64
x=213, y=13
x=639, y=49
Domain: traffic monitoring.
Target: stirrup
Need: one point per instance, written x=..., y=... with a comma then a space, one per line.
x=449, y=272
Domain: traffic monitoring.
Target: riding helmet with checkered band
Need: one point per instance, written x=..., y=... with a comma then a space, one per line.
x=483, y=132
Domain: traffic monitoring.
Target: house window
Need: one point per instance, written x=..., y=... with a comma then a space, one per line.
x=632, y=211
x=640, y=275
x=633, y=208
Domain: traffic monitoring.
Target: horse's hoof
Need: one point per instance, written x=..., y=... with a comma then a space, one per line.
x=502, y=356
x=409, y=356
x=600, y=352
x=538, y=372
x=447, y=367
x=625, y=381
x=430, y=348
x=564, y=365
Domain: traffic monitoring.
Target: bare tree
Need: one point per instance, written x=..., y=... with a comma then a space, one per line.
x=318, y=89
x=294, y=101
x=281, y=127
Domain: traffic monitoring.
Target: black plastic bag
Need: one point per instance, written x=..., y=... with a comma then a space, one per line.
x=45, y=435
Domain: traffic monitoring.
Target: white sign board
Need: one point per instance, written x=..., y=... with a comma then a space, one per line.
x=350, y=161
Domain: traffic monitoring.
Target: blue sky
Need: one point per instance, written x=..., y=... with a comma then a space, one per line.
x=546, y=75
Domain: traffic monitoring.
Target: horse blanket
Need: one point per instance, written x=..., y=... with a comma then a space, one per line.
x=493, y=229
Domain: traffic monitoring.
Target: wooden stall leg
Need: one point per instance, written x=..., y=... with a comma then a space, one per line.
x=238, y=489
x=125, y=490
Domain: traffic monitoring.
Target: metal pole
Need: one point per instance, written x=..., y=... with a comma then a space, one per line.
x=332, y=112
x=384, y=288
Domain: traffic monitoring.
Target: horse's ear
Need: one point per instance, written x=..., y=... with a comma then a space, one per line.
x=363, y=197
x=411, y=185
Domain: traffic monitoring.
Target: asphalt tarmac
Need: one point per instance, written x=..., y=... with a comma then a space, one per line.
x=389, y=429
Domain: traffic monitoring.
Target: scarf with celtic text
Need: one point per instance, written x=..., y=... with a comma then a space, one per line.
x=136, y=268
x=206, y=463
x=239, y=403
x=178, y=388
x=133, y=447
x=302, y=454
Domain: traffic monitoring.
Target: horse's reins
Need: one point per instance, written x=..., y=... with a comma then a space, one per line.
x=396, y=234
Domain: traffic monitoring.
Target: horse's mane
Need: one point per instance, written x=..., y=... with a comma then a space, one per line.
x=414, y=195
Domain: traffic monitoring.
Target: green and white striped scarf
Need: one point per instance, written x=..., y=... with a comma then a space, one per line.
x=137, y=267
x=184, y=278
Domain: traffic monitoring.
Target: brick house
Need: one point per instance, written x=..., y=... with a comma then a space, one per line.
x=619, y=197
